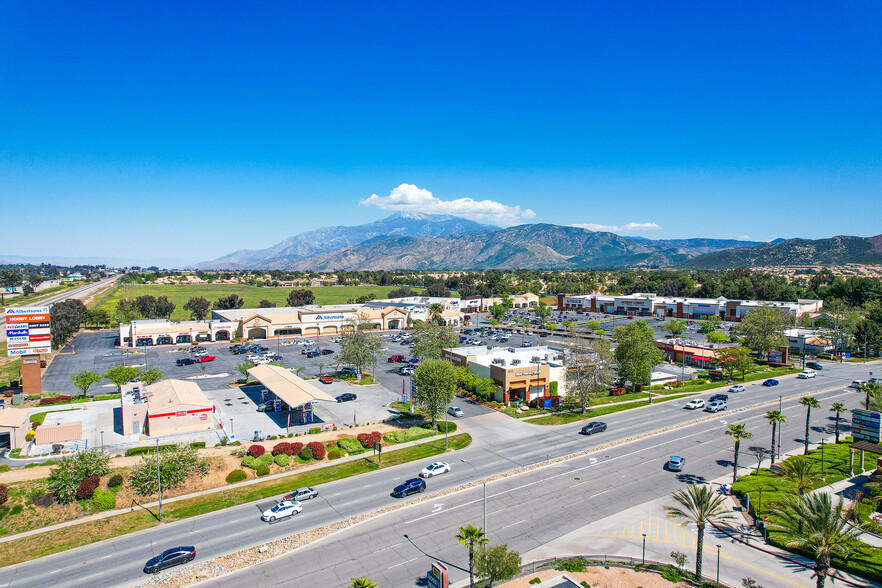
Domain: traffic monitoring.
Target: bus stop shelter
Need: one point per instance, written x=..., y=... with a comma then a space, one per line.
x=290, y=388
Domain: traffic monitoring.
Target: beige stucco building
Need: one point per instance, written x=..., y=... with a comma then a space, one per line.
x=522, y=374
x=168, y=407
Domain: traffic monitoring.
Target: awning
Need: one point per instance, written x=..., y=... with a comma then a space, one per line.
x=701, y=358
x=294, y=390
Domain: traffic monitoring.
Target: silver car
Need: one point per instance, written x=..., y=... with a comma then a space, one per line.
x=455, y=411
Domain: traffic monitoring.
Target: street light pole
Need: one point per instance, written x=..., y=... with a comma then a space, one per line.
x=644, y=548
x=718, y=564
x=780, y=425
x=158, y=480
x=485, y=493
x=102, y=439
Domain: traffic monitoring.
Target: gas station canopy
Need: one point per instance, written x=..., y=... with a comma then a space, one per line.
x=292, y=389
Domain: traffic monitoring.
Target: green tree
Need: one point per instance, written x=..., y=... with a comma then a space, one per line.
x=675, y=327
x=126, y=311
x=498, y=311
x=588, y=370
x=800, y=471
x=242, y=367
x=763, y=327
x=471, y=537
x=872, y=395
x=717, y=337
x=198, y=307
x=709, y=326
x=435, y=313
x=737, y=432
x=838, y=408
x=813, y=524
x=430, y=339
x=121, y=375
x=65, y=477
x=363, y=582
x=636, y=352
x=698, y=504
x=300, y=298
x=358, y=347
x=84, y=380
x=809, y=402
x=150, y=375
x=435, y=381
x=775, y=418
x=163, y=307
x=542, y=313
x=497, y=563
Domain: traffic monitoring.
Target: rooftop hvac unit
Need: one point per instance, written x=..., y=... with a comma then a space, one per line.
x=515, y=362
x=502, y=362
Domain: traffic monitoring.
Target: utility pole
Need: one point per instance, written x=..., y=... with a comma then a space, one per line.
x=158, y=480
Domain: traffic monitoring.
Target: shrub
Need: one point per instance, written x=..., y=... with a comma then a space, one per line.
x=350, y=445
x=17, y=509
x=315, y=430
x=282, y=460
x=4, y=468
x=334, y=454
x=283, y=448
x=29, y=436
x=256, y=450
x=249, y=462
x=318, y=450
x=175, y=465
x=295, y=448
x=4, y=493
x=264, y=460
x=450, y=427
x=411, y=434
x=198, y=445
x=617, y=391
x=305, y=454
x=263, y=470
x=236, y=476
x=87, y=487
x=115, y=481
x=54, y=400
x=102, y=500
x=65, y=478
x=577, y=564
x=366, y=440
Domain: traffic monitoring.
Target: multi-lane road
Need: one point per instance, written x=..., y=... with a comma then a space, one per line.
x=524, y=510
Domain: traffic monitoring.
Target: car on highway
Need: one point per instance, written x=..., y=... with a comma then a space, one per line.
x=205, y=358
x=770, y=382
x=412, y=486
x=857, y=383
x=874, y=381
x=395, y=358
x=814, y=365
x=716, y=406
x=326, y=379
x=719, y=397
x=454, y=411
x=694, y=404
x=185, y=361
x=805, y=375
x=346, y=397
x=676, y=463
x=434, y=469
x=286, y=508
x=736, y=388
x=593, y=427
x=168, y=558
x=305, y=493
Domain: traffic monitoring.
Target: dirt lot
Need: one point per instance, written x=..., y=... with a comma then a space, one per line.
x=600, y=577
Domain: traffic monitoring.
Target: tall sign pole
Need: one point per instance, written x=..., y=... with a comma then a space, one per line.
x=27, y=336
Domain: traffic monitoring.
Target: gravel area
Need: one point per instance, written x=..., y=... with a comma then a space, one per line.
x=598, y=577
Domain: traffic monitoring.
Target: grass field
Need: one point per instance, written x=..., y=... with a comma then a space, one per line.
x=180, y=294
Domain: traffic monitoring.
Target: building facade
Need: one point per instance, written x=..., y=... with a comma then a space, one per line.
x=521, y=374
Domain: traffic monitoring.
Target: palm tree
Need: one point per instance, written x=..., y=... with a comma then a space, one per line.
x=699, y=505
x=809, y=402
x=471, y=537
x=800, y=471
x=837, y=407
x=435, y=311
x=873, y=392
x=737, y=432
x=775, y=417
x=364, y=582
x=815, y=525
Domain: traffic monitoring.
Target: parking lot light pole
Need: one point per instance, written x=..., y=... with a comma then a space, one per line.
x=644, y=548
x=781, y=425
x=102, y=439
x=718, y=564
x=485, y=493
x=158, y=480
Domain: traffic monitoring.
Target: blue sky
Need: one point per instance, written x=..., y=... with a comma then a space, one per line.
x=128, y=129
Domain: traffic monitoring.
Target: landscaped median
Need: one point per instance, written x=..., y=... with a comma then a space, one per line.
x=79, y=534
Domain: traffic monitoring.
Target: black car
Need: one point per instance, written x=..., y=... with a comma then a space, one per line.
x=724, y=397
x=814, y=365
x=346, y=397
x=327, y=351
x=168, y=558
x=591, y=428
x=185, y=361
x=312, y=353
x=412, y=486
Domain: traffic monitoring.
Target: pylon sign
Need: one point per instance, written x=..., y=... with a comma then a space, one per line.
x=27, y=331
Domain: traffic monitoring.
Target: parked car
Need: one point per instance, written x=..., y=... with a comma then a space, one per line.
x=412, y=486
x=406, y=370
x=346, y=397
x=594, y=427
x=770, y=382
x=170, y=557
x=694, y=404
x=874, y=381
x=805, y=375
x=327, y=351
x=454, y=411
x=527, y=344
x=185, y=361
x=197, y=349
x=325, y=379
x=857, y=383
x=736, y=388
x=395, y=358
x=270, y=406
x=433, y=469
x=305, y=493
x=676, y=463
x=313, y=353
x=347, y=370
x=716, y=406
x=286, y=508
x=204, y=358
x=413, y=361
x=814, y=365
x=723, y=397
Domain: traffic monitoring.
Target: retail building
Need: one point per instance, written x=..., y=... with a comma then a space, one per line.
x=168, y=407
x=643, y=304
x=520, y=373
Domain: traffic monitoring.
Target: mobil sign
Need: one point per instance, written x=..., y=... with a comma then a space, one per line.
x=27, y=330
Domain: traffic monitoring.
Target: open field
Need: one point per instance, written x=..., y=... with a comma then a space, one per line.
x=180, y=294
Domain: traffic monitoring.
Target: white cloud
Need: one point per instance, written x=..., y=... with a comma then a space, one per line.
x=631, y=227
x=741, y=237
x=408, y=197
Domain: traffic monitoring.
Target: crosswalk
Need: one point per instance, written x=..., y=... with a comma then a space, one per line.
x=656, y=528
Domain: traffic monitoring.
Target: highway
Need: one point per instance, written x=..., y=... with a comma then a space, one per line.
x=524, y=510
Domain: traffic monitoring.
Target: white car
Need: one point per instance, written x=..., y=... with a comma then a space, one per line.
x=694, y=404
x=806, y=375
x=737, y=388
x=433, y=469
x=857, y=383
x=261, y=361
x=286, y=508
x=455, y=411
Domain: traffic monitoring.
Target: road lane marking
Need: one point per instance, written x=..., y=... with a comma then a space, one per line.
x=402, y=563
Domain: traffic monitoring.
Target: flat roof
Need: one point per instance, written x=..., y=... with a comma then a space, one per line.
x=483, y=356
x=13, y=417
x=167, y=393
x=293, y=389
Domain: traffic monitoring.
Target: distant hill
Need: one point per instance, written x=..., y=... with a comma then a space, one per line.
x=325, y=239
x=794, y=252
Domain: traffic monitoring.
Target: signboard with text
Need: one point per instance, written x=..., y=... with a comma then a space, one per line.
x=27, y=331
x=866, y=425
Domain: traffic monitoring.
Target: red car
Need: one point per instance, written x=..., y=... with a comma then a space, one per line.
x=394, y=358
x=326, y=379
x=204, y=358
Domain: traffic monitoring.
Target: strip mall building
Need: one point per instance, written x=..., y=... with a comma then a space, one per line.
x=640, y=304
x=521, y=374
